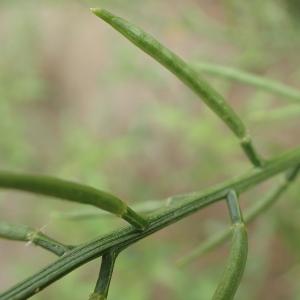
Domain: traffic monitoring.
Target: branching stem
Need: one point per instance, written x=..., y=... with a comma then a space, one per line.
x=251, y=214
x=182, y=207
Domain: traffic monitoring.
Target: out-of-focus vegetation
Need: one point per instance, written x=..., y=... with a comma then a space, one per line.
x=78, y=101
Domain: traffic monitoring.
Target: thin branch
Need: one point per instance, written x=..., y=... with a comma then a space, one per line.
x=71, y=191
x=182, y=207
x=105, y=275
x=251, y=214
x=187, y=75
x=27, y=234
x=256, y=81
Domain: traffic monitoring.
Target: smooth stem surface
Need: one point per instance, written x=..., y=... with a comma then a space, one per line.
x=71, y=191
x=251, y=214
x=182, y=207
x=186, y=74
x=256, y=81
x=19, y=232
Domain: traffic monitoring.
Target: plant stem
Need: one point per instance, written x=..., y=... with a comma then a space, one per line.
x=187, y=75
x=104, y=279
x=182, y=207
x=27, y=234
x=256, y=81
x=250, y=215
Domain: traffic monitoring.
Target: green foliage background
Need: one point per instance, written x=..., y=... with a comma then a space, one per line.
x=79, y=102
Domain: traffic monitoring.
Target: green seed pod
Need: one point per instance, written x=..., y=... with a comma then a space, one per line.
x=235, y=266
x=186, y=74
x=238, y=253
x=71, y=191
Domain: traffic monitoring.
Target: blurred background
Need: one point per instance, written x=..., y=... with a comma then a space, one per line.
x=78, y=101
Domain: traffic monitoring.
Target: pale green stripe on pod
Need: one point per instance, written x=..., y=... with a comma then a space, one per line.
x=20, y=232
x=186, y=74
x=71, y=191
x=235, y=266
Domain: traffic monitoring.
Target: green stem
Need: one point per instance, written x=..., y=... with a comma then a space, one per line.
x=71, y=191
x=187, y=75
x=28, y=234
x=182, y=207
x=105, y=275
x=251, y=214
x=250, y=79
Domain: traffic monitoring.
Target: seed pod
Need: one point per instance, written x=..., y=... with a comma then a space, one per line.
x=71, y=191
x=238, y=253
x=235, y=266
x=186, y=74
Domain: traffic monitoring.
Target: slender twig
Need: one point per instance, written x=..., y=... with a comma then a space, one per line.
x=256, y=81
x=105, y=275
x=19, y=232
x=251, y=214
x=67, y=190
x=182, y=207
x=187, y=75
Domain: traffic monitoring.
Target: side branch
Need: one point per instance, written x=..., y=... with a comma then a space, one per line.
x=181, y=207
x=27, y=234
x=105, y=275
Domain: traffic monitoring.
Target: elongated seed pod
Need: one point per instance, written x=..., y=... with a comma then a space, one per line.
x=186, y=74
x=235, y=266
x=63, y=189
x=238, y=252
x=20, y=232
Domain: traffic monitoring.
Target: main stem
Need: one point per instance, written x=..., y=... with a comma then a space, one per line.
x=182, y=207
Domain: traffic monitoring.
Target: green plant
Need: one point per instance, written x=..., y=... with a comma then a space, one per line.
x=178, y=207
